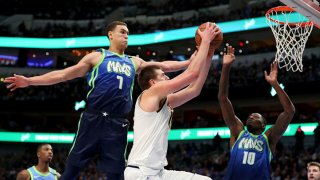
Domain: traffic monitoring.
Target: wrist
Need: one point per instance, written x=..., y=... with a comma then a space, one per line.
x=29, y=81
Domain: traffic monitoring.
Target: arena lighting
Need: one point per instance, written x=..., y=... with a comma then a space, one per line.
x=135, y=39
x=175, y=134
x=273, y=91
x=79, y=104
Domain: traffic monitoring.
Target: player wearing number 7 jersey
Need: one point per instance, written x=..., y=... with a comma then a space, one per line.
x=102, y=128
x=252, y=149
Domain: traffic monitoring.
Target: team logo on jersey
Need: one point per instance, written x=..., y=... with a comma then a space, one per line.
x=119, y=68
x=249, y=143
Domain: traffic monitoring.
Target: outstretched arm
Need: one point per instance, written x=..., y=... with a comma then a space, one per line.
x=231, y=120
x=284, y=119
x=193, y=70
x=162, y=89
x=54, y=77
x=166, y=66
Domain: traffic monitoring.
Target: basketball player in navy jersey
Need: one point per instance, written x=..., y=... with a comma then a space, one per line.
x=102, y=128
x=251, y=148
x=41, y=171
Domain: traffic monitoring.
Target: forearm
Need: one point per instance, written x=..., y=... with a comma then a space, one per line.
x=172, y=66
x=284, y=99
x=201, y=56
x=197, y=85
x=50, y=78
x=224, y=82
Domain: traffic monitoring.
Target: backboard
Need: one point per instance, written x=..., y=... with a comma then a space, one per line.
x=308, y=8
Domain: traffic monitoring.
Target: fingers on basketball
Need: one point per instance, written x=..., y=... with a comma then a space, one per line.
x=216, y=42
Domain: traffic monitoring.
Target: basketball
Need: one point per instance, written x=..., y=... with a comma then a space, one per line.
x=215, y=43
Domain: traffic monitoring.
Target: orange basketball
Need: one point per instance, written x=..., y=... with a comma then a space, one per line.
x=215, y=43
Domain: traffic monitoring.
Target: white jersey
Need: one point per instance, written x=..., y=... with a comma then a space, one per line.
x=150, y=142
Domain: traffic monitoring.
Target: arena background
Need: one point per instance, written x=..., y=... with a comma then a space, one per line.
x=55, y=110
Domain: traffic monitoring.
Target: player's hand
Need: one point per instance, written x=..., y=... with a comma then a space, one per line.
x=193, y=55
x=271, y=78
x=208, y=34
x=16, y=81
x=228, y=58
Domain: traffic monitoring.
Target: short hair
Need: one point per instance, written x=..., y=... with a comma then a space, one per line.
x=111, y=26
x=40, y=146
x=313, y=163
x=145, y=75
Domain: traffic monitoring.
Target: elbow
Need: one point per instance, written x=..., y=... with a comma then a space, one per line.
x=193, y=74
x=290, y=111
x=195, y=93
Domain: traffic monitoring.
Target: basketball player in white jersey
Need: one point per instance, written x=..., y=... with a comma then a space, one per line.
x=153, y=112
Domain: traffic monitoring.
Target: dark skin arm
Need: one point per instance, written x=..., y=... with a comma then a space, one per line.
x=229, y=117
x=285, y=117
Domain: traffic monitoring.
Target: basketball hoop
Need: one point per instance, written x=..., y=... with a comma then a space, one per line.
x=291, y=31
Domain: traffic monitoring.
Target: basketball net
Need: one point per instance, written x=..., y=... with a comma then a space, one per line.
x=291, y=37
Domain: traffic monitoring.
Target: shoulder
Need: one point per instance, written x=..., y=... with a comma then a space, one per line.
x=23, y=175
x=137, y=62
x=92, y=58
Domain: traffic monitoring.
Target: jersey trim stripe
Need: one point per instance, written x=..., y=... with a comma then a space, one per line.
x=75, y=138
x=95, y=72
x=135, y=70
x=31, y=175
x=270, y=152
x=35, y=169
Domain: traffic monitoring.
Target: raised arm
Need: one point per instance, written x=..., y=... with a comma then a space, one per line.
x=194, y=89
x=54, y=77
x=284, y=118
x=192, y=72
x=231, y=120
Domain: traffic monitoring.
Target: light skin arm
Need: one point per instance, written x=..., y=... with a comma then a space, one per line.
x=194, y=89
x=284, y=118
x=161, y=89
x=54, y=77
x=231, y=120
x=166, y=66
x=23, y=175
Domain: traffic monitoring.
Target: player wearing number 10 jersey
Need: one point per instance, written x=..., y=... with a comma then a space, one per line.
x=251, y=149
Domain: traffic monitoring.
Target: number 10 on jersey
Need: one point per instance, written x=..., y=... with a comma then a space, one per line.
x=248, y=157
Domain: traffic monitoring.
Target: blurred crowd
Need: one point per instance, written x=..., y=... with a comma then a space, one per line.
x=93, y=10
x=242, y=75
x=208, y=158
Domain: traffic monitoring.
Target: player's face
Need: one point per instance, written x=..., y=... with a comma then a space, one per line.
x=119, y=36
x=45, y=153
x=160, y=76
x=255, y=123
x=313, y=173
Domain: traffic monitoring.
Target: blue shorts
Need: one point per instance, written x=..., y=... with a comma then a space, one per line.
x=100, y=134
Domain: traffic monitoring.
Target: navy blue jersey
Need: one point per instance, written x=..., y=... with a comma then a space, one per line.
x=111, y=83
x=250, y=157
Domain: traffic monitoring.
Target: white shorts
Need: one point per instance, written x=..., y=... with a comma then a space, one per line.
x=136, y=174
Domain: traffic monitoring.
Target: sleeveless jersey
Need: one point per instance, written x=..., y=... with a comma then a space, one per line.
x=250, y=158
x=150, y=138
x=36, y=175
x=111, y=83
